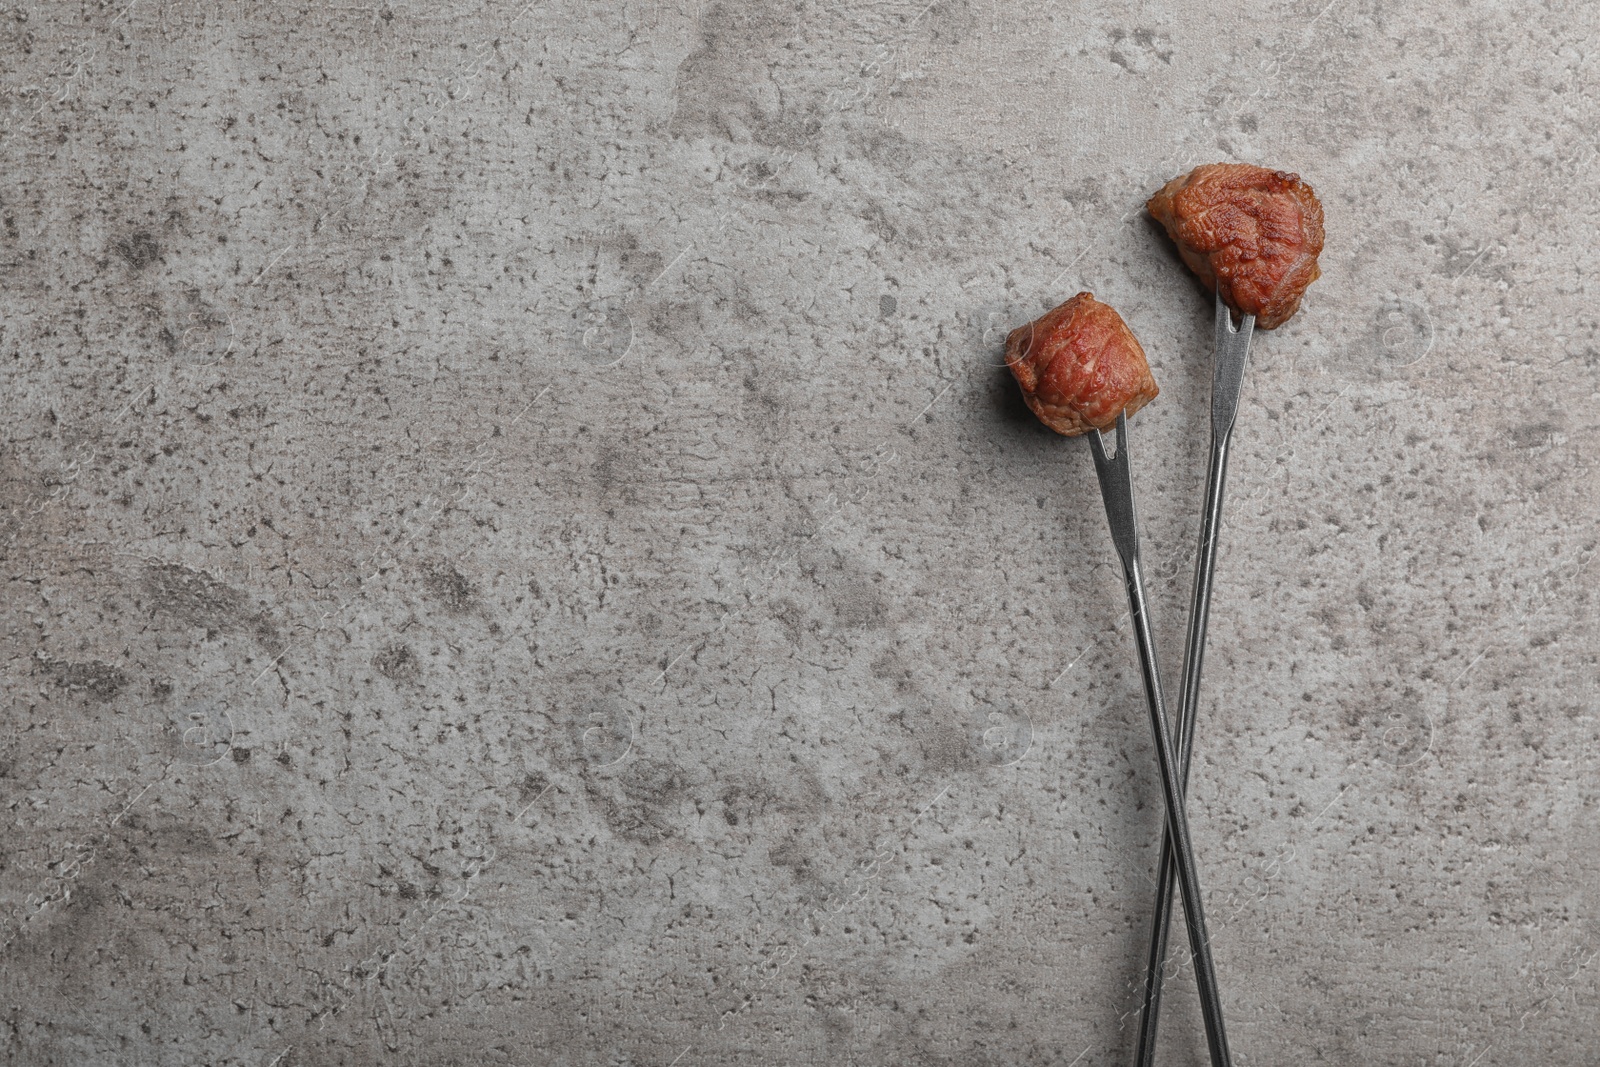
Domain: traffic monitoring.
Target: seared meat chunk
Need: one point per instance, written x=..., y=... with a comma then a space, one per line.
x=1250, y=233
x=1080, y=366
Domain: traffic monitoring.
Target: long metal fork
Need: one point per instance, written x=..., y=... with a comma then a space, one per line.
x=1232, y=352
x=1116, y=490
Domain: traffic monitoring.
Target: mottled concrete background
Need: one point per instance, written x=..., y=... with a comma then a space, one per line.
x=518, y=548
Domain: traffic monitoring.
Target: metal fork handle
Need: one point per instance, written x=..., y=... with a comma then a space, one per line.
x=1232, y=353
x=1116, y=490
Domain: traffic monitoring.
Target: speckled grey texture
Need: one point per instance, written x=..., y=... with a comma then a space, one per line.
x=518, y=548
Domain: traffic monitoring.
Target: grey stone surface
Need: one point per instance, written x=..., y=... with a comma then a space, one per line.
x=518, y=549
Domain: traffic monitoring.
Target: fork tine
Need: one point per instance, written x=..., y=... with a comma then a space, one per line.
x=1224, y=319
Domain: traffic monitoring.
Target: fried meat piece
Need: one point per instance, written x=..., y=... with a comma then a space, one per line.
x=1080, y=366
x=1250, y=233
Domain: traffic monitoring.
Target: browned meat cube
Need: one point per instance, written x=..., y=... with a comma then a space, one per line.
x=1250, y=233
x=1080, y=366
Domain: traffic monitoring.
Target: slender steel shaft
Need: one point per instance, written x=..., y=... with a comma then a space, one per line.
x=1116, y=489
x=1233, y=348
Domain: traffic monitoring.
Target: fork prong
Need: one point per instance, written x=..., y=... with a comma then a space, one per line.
x=1224, y=321
x=1097, y=445
x=1225, y=326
